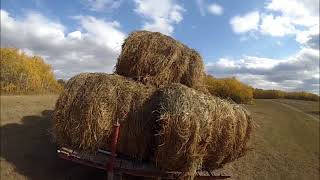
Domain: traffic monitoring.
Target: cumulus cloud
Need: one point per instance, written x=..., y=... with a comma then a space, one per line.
x=281, y=18
x=212, y=8
x=299, y=17
x=245, y=23
x=94, y=48
x=296, y=73
x=313, y=41
x=276, y=26
x=309, y=37
x=159, y=16
x=300, y=12
x=215, y=9
x=102, y=5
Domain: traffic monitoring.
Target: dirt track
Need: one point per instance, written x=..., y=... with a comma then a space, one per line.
x=286, y=144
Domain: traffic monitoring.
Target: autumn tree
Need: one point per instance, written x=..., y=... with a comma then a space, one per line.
x=21, y=73
x=278, y=94
x=229, y=88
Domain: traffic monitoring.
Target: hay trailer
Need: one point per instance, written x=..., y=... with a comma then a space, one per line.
x=118, y=165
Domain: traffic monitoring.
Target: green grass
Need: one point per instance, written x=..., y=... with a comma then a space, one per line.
x=285, y=143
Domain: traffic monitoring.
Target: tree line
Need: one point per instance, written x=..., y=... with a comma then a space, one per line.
x=241, y=93
x=23, y=74
x=277, y=94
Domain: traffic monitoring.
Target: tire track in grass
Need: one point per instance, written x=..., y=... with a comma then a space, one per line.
x=296, y=109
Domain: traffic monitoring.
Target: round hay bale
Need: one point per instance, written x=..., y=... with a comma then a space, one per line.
x=64, y=102
x=230, y=138
x=157, y=59
x=194, y=130
x=178, y=128
x=92, y=102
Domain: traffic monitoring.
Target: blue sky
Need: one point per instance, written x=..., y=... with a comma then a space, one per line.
x=267, y=44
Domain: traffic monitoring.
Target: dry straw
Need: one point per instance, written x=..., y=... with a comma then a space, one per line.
x=176, y=127
x=157, y=59
x=196, y=130
x=92, y=102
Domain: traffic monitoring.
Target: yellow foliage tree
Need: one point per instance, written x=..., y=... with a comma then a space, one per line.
x=302, y=95
x=242, y=93
x=229, y=88
x=22, y=74
x=277, y=94
x=268, y=94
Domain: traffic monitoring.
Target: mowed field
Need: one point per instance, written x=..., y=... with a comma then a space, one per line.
x=285, y=143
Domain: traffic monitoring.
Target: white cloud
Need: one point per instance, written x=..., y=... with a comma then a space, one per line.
x=299, y=18
x=276, y=26
x=301, y=12
x=103, y=33
x=215, y=9
x=212, y=8
x=201, y=6
x=298, y=72
x=245, y=23
x=159, y=16
x=159, y=25
x=102, y=5
x=94, y=48
x=309, y=37
x=74, y=35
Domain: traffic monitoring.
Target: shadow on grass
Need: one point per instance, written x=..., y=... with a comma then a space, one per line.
x=29, y=148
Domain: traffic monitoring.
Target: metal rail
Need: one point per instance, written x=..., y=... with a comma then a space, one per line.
x=113, y=164
x=100, y=160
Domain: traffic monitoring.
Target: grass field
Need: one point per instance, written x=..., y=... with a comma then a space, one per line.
x=285, y=144
x=27, y=151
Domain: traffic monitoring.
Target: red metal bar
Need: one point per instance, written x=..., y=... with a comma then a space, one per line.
x=131, y=171
x=110, y=167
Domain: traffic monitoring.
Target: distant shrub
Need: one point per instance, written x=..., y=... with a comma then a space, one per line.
x=268, y=94
x=277, y=94
x=229, y=88
x=22, y=74
x=242, y=93
x=302, y=96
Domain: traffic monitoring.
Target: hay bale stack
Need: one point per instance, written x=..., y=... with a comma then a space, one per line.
x=176, y=127
x=157, y=59
x=194, y=129
x=92, y=102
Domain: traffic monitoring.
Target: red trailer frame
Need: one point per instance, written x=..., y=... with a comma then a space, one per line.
x=116, y=165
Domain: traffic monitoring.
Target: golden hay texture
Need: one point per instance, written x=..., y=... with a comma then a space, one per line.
x=92, y=102
x=197, y=130
x=176, y=127
x=157, y=59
